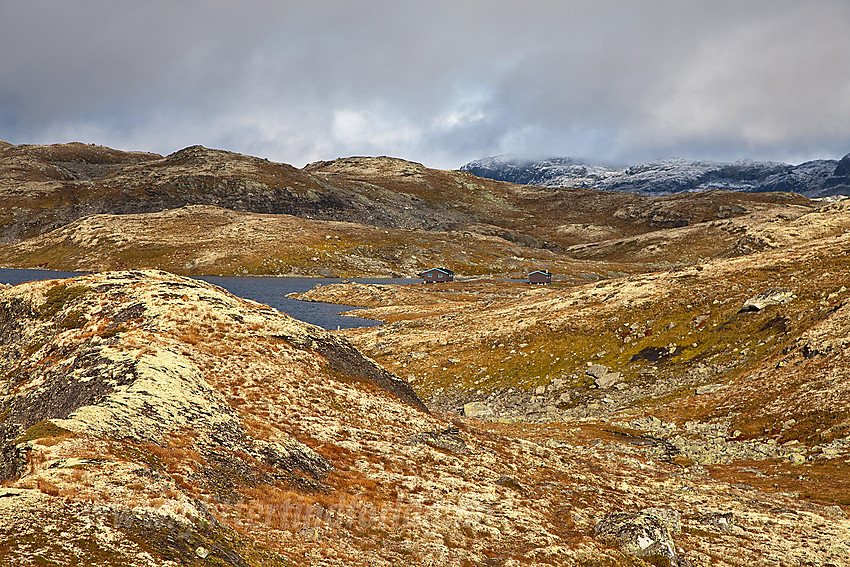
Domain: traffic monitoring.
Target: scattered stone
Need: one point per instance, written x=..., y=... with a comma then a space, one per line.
x=448, y=440
x=202, y=552
x=720, y=520
x=309, y=533
x=608, y=380
x=509, y=482
x=772, y=296
x=707, y=389
x=642, y=534
x=603, y=378
x=668, y=449
x=724, y=211
x=835, y=512
x=797, y=458
x=477, y=410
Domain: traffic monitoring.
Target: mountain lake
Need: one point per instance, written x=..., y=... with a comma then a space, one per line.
x=269, y=290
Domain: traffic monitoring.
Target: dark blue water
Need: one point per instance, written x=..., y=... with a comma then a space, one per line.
x=15, y=277
x=271, y=291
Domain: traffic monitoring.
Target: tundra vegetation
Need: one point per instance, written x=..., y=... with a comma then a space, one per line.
x=677, y=396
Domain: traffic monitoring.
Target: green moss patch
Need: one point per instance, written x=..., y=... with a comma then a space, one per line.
x=42, y=430
x=76, y=319
x=60, y=295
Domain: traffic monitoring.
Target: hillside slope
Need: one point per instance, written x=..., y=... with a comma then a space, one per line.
x=149, y=419
x=52, y=194
x=200, y=239
x=751, y=351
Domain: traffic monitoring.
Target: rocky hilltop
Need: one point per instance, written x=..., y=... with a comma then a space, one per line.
x=813, y=179
x=148, y=419
x=82, y=207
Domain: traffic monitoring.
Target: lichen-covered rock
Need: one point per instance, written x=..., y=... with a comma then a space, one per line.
x=86, y=381
x=720, y=520
x=161, y=390
x=295, y=456
x=670, y=517
x=772, y=296
x=448, y=439
x=603, y=378
x=477, y=410
x=642, y=534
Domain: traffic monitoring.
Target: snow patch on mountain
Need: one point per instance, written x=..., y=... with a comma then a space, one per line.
x=818, y=178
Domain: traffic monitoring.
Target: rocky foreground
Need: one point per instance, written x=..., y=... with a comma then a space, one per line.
x=149, y=419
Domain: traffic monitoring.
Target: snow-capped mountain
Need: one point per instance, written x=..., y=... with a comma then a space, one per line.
x=818, y=178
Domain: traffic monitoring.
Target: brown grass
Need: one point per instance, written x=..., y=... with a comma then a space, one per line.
x=48, y=487
x=823, y=481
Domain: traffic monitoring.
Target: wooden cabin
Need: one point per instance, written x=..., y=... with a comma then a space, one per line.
x=540, y=277
x=437, y=275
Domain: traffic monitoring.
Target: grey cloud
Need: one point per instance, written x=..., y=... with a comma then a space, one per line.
x=438, y=82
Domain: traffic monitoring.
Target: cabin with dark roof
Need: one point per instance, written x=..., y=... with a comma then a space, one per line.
x=437, y=275
x=540, y=277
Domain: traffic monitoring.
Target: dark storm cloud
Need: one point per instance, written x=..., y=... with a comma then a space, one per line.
x=437, y=82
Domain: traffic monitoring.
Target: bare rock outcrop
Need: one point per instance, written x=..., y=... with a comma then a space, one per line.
x=65, y=367
x=647, y=533
x=766, y=298
x=148, y=372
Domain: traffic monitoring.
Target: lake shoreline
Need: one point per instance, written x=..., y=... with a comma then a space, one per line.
x=269, y=290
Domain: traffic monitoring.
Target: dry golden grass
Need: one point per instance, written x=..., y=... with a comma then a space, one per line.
x=48, y=487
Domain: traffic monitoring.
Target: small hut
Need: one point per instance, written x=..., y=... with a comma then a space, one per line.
x=540, y=277
x=437, y=275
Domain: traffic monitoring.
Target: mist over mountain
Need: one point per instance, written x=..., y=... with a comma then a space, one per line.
x=813, y=179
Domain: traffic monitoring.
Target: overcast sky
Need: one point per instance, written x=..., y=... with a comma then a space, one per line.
x=439, y=82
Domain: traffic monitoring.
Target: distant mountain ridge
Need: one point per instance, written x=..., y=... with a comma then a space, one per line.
x=205, y=211
x=813, y=179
